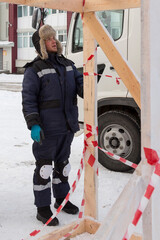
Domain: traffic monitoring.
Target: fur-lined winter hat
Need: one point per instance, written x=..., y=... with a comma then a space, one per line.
x=39, y=37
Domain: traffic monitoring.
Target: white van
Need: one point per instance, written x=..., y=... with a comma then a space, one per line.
x=118, y=114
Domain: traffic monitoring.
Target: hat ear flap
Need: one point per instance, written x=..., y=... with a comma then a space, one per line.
x=59, y=47
x=43, y=49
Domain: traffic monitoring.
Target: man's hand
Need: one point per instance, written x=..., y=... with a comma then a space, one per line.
x=37, y=134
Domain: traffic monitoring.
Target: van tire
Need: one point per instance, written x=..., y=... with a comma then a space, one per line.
x=119, y=134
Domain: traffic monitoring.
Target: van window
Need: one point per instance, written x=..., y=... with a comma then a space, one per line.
x=112, y=20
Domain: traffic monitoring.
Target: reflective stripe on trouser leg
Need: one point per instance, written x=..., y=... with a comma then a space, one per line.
x=41, y=180
x=42, y=193
x=42, y=183
x=62, y=154
x=59, y=188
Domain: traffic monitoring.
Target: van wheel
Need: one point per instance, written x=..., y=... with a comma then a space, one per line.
x=119, y=134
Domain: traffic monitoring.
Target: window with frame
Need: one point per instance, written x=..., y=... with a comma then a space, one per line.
x=31, y=9
x=111, y=19
x=24, y=11
x=62, y=35
x=19, y=11
x=51, y=11
x=25, y=40
x=61, y=11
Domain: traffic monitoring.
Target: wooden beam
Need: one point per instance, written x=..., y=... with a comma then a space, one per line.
x=99, y=5
x=69, y=5
x=90, y=117
x=91, y=226
x=145, y=112
x=136, y=237
x=150, y=102
x=76, y=5
x=119, y=63
x=59, y=233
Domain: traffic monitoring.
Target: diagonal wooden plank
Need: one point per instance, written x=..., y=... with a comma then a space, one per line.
x=108, y=46
x=77, y=5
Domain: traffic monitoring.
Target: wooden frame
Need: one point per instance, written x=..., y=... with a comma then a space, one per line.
x=86, y=225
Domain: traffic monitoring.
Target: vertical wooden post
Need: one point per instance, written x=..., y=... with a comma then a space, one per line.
x=150, y=87
x=90, y=117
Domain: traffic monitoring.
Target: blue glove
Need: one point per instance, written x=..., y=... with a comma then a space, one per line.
x=37, y=134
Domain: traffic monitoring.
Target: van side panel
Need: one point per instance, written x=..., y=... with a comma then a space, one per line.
x=134, y=40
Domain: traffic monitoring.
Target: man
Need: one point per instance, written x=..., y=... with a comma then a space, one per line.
x=49, y=98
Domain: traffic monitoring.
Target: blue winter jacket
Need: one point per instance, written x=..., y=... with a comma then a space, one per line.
x=49, y=95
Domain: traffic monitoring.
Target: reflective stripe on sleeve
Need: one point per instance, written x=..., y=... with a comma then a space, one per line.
x=69, y=68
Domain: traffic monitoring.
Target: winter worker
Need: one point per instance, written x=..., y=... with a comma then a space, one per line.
x=49, y=98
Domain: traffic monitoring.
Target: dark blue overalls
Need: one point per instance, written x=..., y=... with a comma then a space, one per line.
x=49, y=96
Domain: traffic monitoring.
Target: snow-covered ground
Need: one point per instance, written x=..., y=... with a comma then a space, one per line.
x=17, y=211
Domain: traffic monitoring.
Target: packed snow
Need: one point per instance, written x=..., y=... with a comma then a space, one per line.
x=17, y=210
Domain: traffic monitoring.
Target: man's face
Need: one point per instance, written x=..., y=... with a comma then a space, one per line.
x=51, y=45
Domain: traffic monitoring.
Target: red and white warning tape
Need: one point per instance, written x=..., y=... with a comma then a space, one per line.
x=91, y=161
x=123, y=160
x=152, y=158
x=83, y=3
x=90, y=57
x=96, y=74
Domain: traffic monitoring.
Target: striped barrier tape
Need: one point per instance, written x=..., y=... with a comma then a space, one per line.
x=123, y=160
x=90, y=57
x=153, y=159
x=97, y=74
x=91, y=161
x=83, y=3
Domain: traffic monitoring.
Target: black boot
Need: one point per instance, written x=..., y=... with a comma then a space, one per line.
x=44, y=214
x=68, y=208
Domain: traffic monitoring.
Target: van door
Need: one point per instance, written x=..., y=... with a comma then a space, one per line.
x=116, y=22
x=118, y=118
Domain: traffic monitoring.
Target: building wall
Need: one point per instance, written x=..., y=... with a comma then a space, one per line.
x=13, y=34
x=7, y=59
x=4, y=21
x=5, y=45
